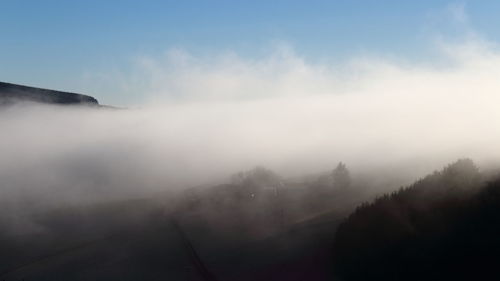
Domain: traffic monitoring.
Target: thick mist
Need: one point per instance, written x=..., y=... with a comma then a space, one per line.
x=207, y=118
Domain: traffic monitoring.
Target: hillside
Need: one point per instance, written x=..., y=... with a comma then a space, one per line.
x=12, y=93
x=262, y=227
x=257, y=227
x=443, y=227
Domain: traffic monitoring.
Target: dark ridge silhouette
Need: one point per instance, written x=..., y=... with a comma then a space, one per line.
x=12, y=93
x=444, y=227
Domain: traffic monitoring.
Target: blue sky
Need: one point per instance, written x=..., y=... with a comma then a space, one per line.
x=54, y=43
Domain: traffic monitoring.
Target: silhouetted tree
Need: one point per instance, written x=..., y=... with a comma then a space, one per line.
x=341, y=176
x=251, y=183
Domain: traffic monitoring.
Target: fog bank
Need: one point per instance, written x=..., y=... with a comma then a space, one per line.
x=207, y=118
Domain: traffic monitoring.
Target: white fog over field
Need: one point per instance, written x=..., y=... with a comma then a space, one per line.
x=207, y=118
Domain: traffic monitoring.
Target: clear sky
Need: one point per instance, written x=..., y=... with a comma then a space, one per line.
x=55, y=44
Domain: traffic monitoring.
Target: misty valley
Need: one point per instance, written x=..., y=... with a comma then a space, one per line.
x=318, y=140
x=94, y=208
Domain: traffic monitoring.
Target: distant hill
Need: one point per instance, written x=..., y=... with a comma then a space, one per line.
x=12, y=93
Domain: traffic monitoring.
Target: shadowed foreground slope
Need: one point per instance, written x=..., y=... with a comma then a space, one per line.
x=263, y=227
x=444, y=227
x=135, y=240
x=256, y=228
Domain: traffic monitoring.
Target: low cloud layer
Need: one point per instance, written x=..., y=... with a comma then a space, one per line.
x=207, y=118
